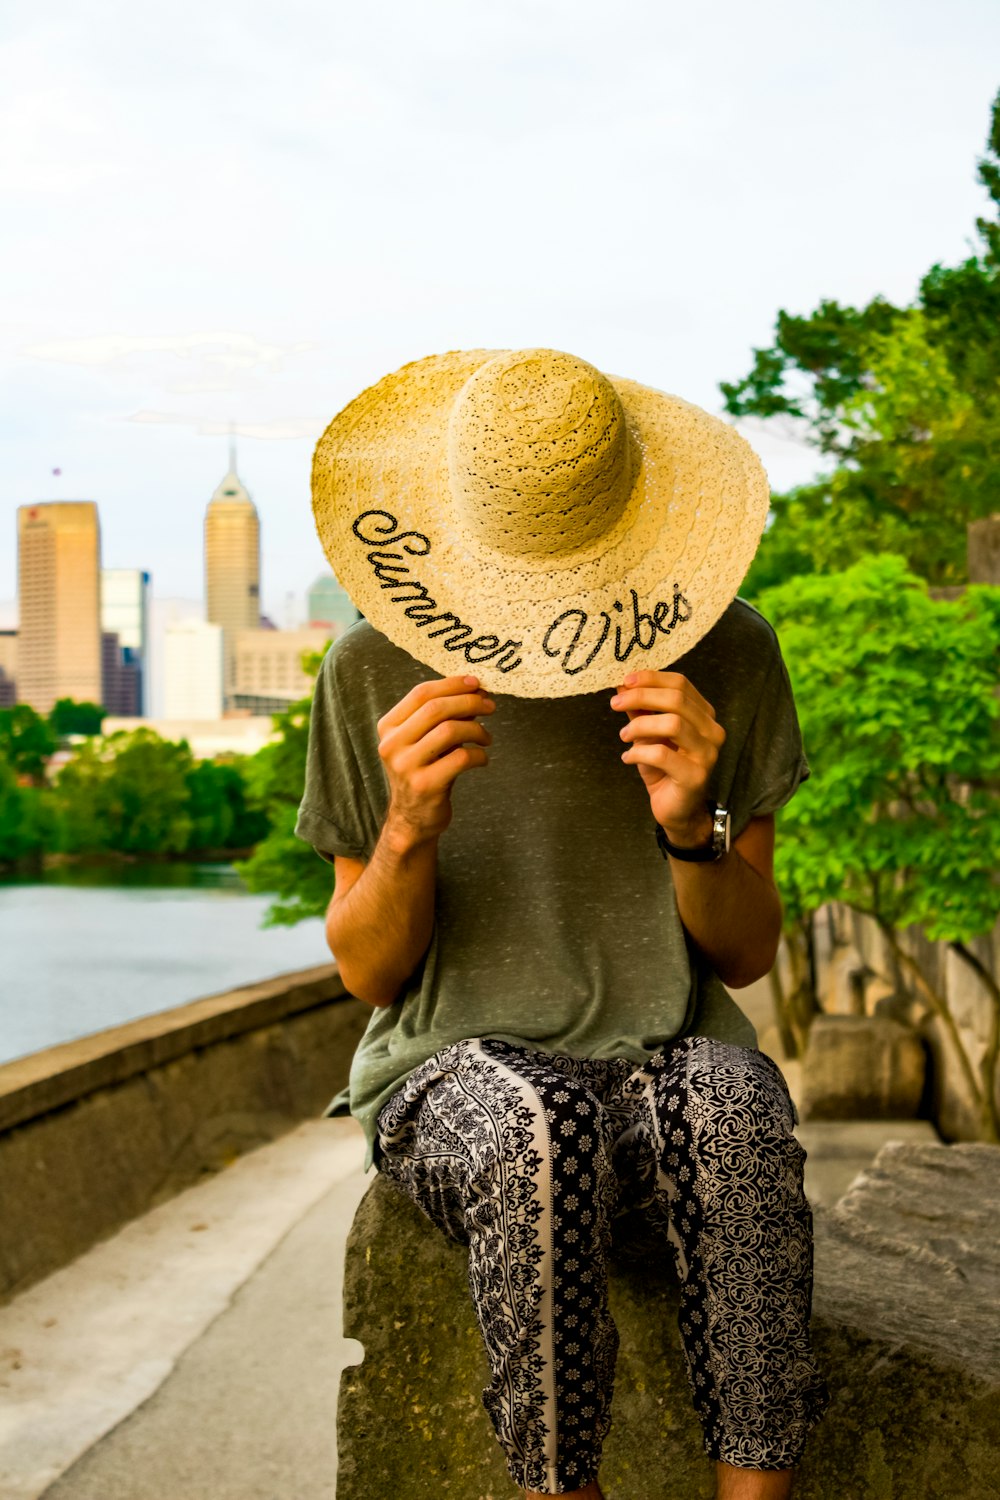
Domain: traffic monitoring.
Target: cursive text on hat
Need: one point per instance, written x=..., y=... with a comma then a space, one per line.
x=393, y=574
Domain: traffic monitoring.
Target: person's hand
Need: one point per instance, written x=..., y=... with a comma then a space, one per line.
x=427, y=740
x=673, y=740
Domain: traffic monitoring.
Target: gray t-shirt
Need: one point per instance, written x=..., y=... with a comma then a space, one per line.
x=556, y=925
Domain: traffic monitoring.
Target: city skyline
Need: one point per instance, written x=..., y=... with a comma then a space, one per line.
x=83, y=631
x=298, y=598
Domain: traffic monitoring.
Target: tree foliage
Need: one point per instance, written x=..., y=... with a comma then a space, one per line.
x=25, y=817
x=900, y=820
x=282, y=864
x=127, y=793
x=71, y=717
x=131, y=793
x=26, y=742
x=220, y=806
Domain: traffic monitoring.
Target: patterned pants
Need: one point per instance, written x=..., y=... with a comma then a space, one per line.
x=526, y=1157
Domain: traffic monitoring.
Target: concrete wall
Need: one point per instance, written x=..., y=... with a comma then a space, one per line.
x=95, y=1132
x=859, y=974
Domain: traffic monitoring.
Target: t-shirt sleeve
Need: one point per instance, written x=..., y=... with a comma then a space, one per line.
x=772, y=762
x=335, y=815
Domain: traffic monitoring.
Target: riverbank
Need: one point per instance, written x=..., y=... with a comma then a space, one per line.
x=43, y=864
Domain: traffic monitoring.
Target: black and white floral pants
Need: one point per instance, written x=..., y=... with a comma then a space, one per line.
x=526, y=1157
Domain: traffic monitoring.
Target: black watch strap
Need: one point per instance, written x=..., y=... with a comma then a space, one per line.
x=717, y=846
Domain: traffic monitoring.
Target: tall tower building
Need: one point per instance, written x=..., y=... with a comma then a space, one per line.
x=232, y=567
x=59, y=603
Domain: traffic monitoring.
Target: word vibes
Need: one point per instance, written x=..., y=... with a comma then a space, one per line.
x=574, y=637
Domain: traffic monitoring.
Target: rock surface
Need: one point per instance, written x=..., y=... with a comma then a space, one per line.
x=862, y=1067
x=911, y=1254
x=907, y=1311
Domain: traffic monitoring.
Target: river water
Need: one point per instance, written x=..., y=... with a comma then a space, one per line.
x=90, y=948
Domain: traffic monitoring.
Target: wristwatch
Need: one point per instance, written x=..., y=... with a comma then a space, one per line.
x=717, y=846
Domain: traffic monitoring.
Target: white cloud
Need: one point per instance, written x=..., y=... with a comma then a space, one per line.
x=274, y=431
x=178, y=364
x=233, y=351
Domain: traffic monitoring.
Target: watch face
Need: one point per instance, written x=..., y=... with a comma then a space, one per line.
x=720, y=831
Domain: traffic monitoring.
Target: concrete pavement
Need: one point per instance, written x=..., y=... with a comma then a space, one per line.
x=196, y=1354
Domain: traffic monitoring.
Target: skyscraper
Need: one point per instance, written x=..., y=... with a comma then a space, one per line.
x=59, y=603
x=232, y=566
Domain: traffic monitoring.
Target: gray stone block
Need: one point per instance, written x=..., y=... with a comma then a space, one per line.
x=410, y=1420
x=907, y=1312
x=862, y=1067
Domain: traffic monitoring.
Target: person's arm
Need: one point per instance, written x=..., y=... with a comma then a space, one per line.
x=730, y=906
x=381, y=916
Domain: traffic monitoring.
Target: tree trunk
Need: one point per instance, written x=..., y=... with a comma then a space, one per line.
x=789, y=1043
x=801, y=1004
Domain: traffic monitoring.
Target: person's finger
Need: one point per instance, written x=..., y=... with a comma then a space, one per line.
x=434, y=778
x=677, y=721
x=437, y=710
x=642, y=690
x=423, y=692
x=437, y=742
x=672, y=763
x=701, y=739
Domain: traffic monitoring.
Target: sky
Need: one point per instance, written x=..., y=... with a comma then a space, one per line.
x=245, y=213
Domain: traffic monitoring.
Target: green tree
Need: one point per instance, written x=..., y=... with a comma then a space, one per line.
x=817, y=362
x=127, y=793
x=209, y=810
x=70, y=717
x=219, y=806
x=250, y=821
x=26, y=742
x=901, y=818
x=24, y=818
x=282, y=864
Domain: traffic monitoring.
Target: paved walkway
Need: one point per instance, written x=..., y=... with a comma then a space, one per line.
x=197, y=1354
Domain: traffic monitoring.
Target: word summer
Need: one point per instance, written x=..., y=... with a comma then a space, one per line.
x=377, y=529
x=578, y=637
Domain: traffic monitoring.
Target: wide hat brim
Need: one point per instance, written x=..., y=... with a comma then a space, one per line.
x=537, y=626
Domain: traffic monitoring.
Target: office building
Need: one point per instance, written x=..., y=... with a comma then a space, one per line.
x=8, y=668
x=125, y=613
x=268, y=667
x=59, y=603
x=232, y=566
x=192, y=670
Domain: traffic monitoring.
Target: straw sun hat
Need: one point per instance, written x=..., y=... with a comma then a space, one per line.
x=520, y=516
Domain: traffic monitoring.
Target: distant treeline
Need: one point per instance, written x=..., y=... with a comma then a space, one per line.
x=131, y=793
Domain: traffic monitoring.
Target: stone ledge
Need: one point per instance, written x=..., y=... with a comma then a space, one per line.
x=99, y=1131
x=44, y=1081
